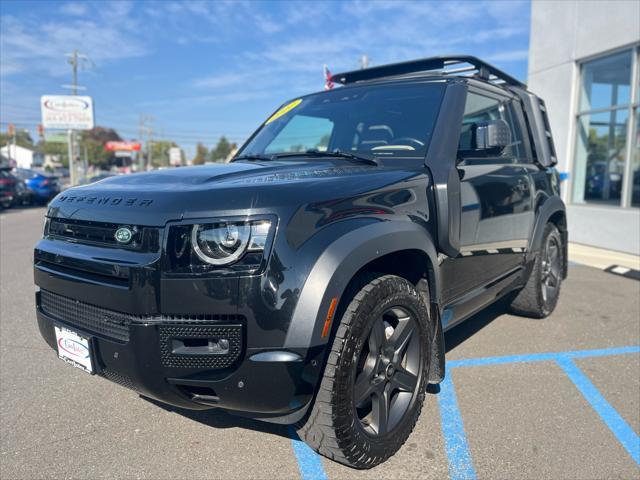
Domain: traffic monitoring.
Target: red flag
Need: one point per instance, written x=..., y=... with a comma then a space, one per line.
x=328, y=82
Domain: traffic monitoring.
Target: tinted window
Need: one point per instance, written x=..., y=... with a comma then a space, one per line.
x=480, y=108
x=385, y=121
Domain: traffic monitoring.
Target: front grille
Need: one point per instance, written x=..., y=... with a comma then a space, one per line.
x=116, y=326
x=94, y=319
x=233, y=333
x=103, y=234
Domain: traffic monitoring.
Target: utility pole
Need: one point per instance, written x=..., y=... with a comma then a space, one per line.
x=364, y=61
x=149, y=146
x=74, y=65
x=11, y=130
x=145, y=129
x=73, y=60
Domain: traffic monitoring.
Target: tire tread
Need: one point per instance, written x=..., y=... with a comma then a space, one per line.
x=319, y=430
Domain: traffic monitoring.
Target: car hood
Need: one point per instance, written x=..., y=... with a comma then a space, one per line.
x=236, y=189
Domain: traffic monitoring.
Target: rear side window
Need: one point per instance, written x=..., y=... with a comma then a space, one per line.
x=480, y=108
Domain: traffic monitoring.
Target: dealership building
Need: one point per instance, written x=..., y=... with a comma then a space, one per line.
x=584, y=62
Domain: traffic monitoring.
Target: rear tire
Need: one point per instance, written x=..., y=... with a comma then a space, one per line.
x=540, y=295
x=373, y=385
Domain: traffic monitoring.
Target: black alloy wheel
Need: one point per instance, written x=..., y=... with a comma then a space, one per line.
x=387, y=372
x=551, y=268
x=539, y=297
x=374, y=382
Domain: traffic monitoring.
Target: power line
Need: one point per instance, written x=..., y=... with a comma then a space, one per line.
x=134, y=132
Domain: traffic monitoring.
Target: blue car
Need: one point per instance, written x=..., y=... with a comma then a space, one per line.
x=41, y=187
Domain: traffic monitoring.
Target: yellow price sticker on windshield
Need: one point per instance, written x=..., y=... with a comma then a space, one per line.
x=284, y=110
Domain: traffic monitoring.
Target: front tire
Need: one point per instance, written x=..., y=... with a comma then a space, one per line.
x=540, y=295
x=373, y=386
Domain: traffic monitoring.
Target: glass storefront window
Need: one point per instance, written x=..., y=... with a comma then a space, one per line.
x=635, y=166
x=606, y=82
x=606, y=164
x=600, y=153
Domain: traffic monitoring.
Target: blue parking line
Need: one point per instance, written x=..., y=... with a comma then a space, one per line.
x=308, y=461
x=460, y=463
x=540, y=357
x=621, y=429
x=455, y=440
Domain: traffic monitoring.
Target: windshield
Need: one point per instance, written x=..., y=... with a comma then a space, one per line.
x=25, y=174
x=381, y=121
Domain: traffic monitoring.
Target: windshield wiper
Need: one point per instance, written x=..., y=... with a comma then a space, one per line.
x=253, y=157
x=334, y=154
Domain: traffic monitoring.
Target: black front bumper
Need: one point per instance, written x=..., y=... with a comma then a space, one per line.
x=150, y=335
x=146, y=362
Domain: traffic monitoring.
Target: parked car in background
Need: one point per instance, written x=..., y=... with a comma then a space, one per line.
x=6, y=188
x=40, y=186
x=13, y=190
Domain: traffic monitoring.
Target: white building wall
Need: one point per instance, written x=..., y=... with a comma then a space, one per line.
x=564, y=33
x=23, y=157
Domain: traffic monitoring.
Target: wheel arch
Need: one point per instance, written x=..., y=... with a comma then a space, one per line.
x=402, y=248
x=417, y=267
x=553, y=210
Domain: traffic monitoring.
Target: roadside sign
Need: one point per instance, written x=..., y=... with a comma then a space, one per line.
x=56, y=138
x=175, y=156
x=122, y=146
x=11, y=130
x=67, y=112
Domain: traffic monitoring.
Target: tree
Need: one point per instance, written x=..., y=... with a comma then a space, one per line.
x=160, y=152
x=93, y=141
x=201, y=154
x=222, y=150
x=23, y=139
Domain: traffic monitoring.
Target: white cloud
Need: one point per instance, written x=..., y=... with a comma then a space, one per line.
x=30, y=45
x=248, y=54
x=222, y=80
x=74, y=8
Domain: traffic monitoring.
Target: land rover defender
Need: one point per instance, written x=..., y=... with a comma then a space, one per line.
x=310, y=280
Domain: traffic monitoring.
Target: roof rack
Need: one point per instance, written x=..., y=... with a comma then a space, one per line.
x=436, y=65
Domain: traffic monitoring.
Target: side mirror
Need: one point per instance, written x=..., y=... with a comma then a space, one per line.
x=491, y=136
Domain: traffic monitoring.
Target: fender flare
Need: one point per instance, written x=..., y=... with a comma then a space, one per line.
x=340, y=261
x=550, y=207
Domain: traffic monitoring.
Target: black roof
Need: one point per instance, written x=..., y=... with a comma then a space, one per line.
x=448, y=65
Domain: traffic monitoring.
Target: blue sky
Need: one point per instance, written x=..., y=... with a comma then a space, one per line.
x=205, y=69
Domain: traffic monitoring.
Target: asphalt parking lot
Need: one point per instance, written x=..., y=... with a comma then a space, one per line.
x=529, y=399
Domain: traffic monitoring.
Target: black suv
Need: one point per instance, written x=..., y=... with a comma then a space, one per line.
x=310, y=281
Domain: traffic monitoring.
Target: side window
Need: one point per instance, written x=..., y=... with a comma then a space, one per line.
x=302, y=133
x=480, y=108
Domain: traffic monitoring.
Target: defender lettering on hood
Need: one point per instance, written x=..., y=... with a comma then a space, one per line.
x=89, y=200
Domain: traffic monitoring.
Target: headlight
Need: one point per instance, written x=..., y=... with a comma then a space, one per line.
x=220, y=244
x=237, y=243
